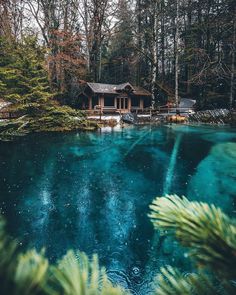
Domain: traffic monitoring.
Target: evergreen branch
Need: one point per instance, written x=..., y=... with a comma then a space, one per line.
x=76, y=275
x=7, y=252
x=208, y=233
x=31, y=272
x=172, y=282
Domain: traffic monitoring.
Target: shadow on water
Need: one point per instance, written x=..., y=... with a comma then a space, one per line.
x=91, y=191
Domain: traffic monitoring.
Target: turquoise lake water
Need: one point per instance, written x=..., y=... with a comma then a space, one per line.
x=91, y=191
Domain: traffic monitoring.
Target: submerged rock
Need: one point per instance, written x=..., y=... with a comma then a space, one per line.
x=214, y=181
x=129, y=118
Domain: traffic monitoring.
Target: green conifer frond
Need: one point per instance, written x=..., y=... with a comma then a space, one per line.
x=31, y=272
x=7, y=253
x=204, y=229
x=172, y=282
x=208, y=233
x=76, y=275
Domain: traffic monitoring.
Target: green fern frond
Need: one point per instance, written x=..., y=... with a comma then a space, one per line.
x=208, y=233
x=31, y=272
x=172, y=282
x=76, y=275
x=8, y=255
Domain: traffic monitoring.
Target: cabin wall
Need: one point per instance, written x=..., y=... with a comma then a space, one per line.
x=135, y=102
x=101, y=100
x=125, y=104
x=110, y=101
x=122, y=99
x=95, y=101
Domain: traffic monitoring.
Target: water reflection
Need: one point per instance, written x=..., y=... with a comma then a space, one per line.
x=91, y=191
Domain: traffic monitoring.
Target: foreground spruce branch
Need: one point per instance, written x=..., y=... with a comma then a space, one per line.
x=210, y=237
x=204, y=230
x=31, y=273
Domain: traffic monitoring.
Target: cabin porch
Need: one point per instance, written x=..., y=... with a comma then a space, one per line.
x=109, y=103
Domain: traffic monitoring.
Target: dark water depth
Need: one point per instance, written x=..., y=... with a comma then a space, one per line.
x=91, y=191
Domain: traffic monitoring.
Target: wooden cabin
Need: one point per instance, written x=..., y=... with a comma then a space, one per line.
x=114, y=98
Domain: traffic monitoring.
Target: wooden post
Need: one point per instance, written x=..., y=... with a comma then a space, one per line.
x=150, y=113
x=101, y=101
x=129, y=104
x=90, y=103
x=141, y=104
x=99, y=107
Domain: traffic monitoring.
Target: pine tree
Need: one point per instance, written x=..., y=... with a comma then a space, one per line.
x=120, y=55
x=24, y=83
x=23, y=77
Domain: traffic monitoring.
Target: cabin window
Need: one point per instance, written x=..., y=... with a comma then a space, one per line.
x=109, y=101
x=122, y=103
x=128, y=88
x=147, y=102
x=126, y=103
x=94, y=101
x=135, y=101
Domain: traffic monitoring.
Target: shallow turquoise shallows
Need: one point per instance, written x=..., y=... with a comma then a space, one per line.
x=91, y=191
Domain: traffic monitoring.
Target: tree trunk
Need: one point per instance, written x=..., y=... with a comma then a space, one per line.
x=177, y=55
x=231, y=102
x=139, y=42
x=163, y=40
x=154, y=52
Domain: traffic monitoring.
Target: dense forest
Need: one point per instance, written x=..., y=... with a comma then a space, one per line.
x=184, y=48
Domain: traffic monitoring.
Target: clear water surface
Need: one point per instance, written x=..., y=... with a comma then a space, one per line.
x=91, y=191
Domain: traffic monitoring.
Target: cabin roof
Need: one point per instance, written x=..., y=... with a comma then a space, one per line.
x=115, y=89
x=123, y=86
x=141, y=91
x=102, y=88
